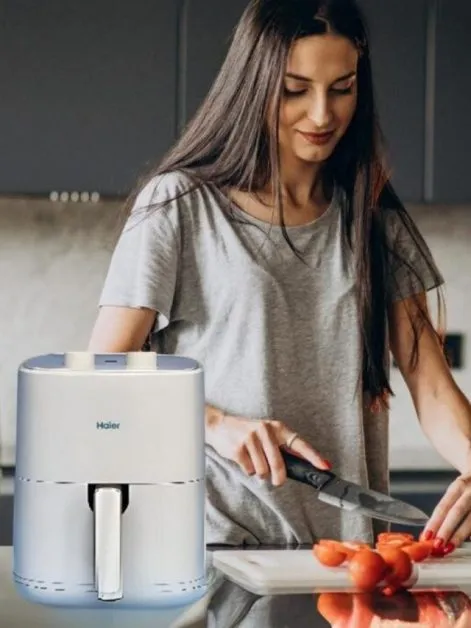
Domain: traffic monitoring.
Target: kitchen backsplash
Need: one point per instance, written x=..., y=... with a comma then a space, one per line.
x=53, y=260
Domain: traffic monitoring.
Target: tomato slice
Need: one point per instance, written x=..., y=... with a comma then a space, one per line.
x=418, y=551
x=393, y=543
x=366, y=569
x=399, y=563
x=385, y=537
x=328, y=554
x=352, y=547
x=347, y=547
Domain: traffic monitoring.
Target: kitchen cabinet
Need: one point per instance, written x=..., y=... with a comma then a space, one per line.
x=398, y=37
x=88, y=92
x=451, y=123
x=209, y=26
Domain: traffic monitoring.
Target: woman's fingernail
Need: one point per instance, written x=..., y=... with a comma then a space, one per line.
x=328, y=464
x=439, y=543
x=449, y=547
x=427, y=536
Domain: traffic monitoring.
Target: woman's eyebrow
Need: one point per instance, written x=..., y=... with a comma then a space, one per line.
x=305, y=79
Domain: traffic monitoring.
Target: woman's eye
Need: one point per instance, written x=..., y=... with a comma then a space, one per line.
x=294, y=92
x=344, y=90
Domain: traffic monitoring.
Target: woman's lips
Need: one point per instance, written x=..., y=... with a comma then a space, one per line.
x=318, y=139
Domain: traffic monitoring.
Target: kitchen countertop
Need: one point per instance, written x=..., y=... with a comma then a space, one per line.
x=227, y=605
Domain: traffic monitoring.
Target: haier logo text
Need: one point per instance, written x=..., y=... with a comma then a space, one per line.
x=101, y=425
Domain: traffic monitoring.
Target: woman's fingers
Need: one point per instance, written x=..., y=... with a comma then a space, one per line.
x=301, y=447
x=304, y=449
x=460, y=534
x=244, y=460
x=269, y=442
x=257, y=455
x=450, y=522
x=452, y=494
x=260, y=451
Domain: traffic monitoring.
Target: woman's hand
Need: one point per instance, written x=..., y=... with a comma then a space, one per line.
x=255, y=446
x=450, y=523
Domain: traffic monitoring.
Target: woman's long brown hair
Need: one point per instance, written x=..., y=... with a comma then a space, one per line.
x=229, y=144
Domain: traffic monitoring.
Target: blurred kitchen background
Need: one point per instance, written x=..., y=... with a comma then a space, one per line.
x=95, y=91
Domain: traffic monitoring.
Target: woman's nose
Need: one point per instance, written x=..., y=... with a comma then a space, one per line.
x=320, y=112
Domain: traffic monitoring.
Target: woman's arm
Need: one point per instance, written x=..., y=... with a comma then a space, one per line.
x=443, y=410
x=121, y=329
x=445, y=416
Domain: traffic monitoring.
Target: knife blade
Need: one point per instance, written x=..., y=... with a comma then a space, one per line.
x=349, y=496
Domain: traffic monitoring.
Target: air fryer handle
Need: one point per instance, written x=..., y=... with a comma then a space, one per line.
x=303, y=471
x=107, y=506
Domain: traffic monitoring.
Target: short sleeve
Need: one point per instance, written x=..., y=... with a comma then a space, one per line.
x=144, y=264
x=412, y=268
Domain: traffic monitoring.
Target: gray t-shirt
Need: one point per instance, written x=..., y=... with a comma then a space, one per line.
x=278, y=338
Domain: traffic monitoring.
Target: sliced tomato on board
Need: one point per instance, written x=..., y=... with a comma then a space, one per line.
x=394, y=539
x=385, y=537
x=329, y=554
x=367, y=569
x=399, y=551
x=400, y=566
x=418, y=551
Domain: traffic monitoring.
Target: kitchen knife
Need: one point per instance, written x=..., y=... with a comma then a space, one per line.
x=348, y=496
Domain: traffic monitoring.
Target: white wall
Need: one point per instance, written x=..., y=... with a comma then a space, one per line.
x=53, y=260
x=447, y=231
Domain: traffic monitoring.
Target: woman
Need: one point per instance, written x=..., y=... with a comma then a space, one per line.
x=270, y=246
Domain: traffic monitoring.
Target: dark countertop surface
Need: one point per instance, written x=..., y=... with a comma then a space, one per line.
x=227, y=605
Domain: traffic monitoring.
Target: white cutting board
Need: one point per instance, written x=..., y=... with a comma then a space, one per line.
x=288, y=572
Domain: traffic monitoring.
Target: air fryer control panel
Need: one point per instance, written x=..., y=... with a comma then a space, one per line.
x=139, y=360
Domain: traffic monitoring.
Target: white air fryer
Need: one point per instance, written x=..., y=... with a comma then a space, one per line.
x=109, y=486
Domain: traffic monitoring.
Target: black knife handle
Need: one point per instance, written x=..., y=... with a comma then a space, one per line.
x=303, y=471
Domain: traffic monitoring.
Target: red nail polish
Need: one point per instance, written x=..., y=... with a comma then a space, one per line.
x=428, y=536
x=449, y=547
x=439, y=543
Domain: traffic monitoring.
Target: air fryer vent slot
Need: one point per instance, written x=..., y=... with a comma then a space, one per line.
x=173, y=587
x=55, y=586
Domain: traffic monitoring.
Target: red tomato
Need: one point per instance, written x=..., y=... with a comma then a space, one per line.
x=346, y=547
x=399, y=563
x=329, y=555
x=367, y=569
x=417, y=551
x=352, y=547
x=385, y=537
x=393, y=543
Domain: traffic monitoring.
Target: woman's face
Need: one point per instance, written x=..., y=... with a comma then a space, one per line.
x=320, y=96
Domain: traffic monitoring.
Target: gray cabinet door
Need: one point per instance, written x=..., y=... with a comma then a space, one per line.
x=452, y=126
x=88, y=92
x=398, y=33
x=209, y=26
